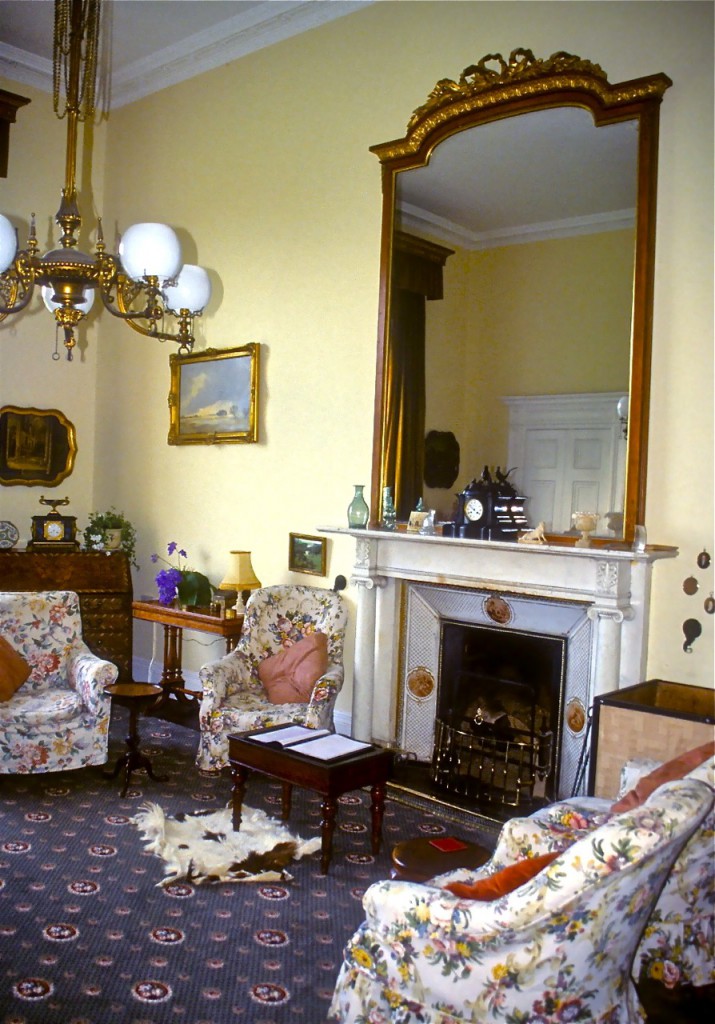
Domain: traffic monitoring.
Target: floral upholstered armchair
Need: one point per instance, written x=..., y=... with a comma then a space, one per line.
x=58, y=717
x=678, y=944
x=250, y=688
x=559, y=947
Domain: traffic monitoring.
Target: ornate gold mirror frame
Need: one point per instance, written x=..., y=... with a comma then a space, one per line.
x=494, y=89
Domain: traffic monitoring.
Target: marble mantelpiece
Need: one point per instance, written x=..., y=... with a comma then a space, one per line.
x=613, y=583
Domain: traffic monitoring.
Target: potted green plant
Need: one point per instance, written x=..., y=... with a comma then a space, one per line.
x=111, y=531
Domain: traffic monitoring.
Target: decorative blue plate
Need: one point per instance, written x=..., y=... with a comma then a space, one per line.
x=9, y=535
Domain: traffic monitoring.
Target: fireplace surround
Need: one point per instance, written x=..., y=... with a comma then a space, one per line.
x=594, y=601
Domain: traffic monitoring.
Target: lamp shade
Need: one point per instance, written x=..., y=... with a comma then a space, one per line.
x=8, y=243
x=622, y=407
x=150, y=250
x=192, y=290
x=240, y=575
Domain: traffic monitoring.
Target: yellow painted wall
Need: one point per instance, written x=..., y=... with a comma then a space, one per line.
x=265, y=164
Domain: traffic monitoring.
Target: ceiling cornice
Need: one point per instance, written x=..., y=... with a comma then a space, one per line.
x=258, y=27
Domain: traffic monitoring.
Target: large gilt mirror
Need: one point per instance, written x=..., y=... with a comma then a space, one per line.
x=516, y=292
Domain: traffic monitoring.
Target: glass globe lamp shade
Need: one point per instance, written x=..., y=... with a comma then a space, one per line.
x=622, y=407
x=192, y=290
x=150, y=250
x=83, y=307
x=8, y=243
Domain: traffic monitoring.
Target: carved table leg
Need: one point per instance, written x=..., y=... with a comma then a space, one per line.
x=377, y=809
x=329, y=807
x=239, y=774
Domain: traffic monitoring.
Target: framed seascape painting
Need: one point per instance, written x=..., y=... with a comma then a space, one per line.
x=213, y=398
x=307, y=554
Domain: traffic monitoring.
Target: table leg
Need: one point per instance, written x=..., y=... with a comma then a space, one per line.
x=172, y=679
x=133, y=759
x=377, y=809
x=329, y=807
x=286, y=800
x=239, y=774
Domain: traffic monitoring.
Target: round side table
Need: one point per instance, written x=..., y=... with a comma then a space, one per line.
x=418, y=860
x=137, y=697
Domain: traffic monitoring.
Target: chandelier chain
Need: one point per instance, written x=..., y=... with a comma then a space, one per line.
x=79, y=95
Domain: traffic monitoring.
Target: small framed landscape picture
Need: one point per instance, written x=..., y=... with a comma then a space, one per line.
x=213, y=398
x=307, y=554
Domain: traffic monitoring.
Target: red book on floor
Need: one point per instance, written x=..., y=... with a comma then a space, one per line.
x=448, y=844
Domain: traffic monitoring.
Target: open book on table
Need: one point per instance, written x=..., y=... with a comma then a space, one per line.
x=319, y=743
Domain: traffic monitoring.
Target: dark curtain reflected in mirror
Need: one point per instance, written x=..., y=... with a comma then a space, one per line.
x=416, y=279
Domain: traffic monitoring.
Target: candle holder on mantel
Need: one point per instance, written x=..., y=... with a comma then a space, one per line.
x=586, y=522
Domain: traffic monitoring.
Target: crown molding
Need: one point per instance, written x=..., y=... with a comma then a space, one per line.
x=26, y=68
x=413, y=218
x=260, y=26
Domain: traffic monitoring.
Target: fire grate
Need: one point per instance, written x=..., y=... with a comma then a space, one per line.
x=491, y=769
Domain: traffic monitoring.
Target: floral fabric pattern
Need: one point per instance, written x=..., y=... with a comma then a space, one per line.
x=559, y=948
x=678, y=944
x=234, y=699
x=59, y=718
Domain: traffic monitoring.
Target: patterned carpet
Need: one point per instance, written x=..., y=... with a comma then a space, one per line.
x=87, y=937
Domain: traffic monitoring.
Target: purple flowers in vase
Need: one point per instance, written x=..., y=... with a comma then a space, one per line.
x=168, y=580
x=178, y=581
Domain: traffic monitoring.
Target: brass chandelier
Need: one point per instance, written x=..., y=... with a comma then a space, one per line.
x=146, y=280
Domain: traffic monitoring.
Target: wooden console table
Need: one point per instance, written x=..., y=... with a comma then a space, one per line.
x=175, y=621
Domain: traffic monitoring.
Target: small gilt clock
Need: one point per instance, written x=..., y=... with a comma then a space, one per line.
x=54, y=531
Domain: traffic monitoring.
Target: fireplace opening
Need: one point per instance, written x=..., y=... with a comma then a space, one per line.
x=497, y=722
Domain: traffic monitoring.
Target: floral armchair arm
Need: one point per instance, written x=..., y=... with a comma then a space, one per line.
x=89, y=675
x=225, y=676
x=323, y=697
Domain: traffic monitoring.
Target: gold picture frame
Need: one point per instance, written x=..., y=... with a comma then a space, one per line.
x=307, y=554
x=37, y=446
x=213, y=396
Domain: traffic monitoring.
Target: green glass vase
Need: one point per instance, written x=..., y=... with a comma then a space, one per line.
x=389, y=515
x=358, y=511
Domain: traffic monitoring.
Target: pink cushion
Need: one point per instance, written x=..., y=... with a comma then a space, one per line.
x=289, y=676
x=678, y=768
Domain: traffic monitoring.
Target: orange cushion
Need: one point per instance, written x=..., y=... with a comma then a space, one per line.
x=289, y=676
x=14, y=670
x=505, y=881
x=678, y=768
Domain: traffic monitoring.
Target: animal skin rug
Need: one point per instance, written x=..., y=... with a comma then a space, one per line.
x=202, y=846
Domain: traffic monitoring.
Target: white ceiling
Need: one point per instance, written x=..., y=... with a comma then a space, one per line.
x=469, y=195
x=150, y=44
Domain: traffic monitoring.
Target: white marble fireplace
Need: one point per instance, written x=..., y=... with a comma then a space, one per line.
x=597, y=599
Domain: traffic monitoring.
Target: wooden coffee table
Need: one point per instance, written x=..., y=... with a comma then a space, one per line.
x=329, y=778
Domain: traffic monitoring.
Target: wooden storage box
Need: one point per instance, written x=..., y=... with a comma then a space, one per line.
x=656, y=719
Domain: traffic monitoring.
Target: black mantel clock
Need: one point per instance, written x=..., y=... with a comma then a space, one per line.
x=53, y=532
x=488, y=509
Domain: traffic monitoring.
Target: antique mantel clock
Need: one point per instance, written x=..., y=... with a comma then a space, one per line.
x=488, y=509
x=53, y=531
